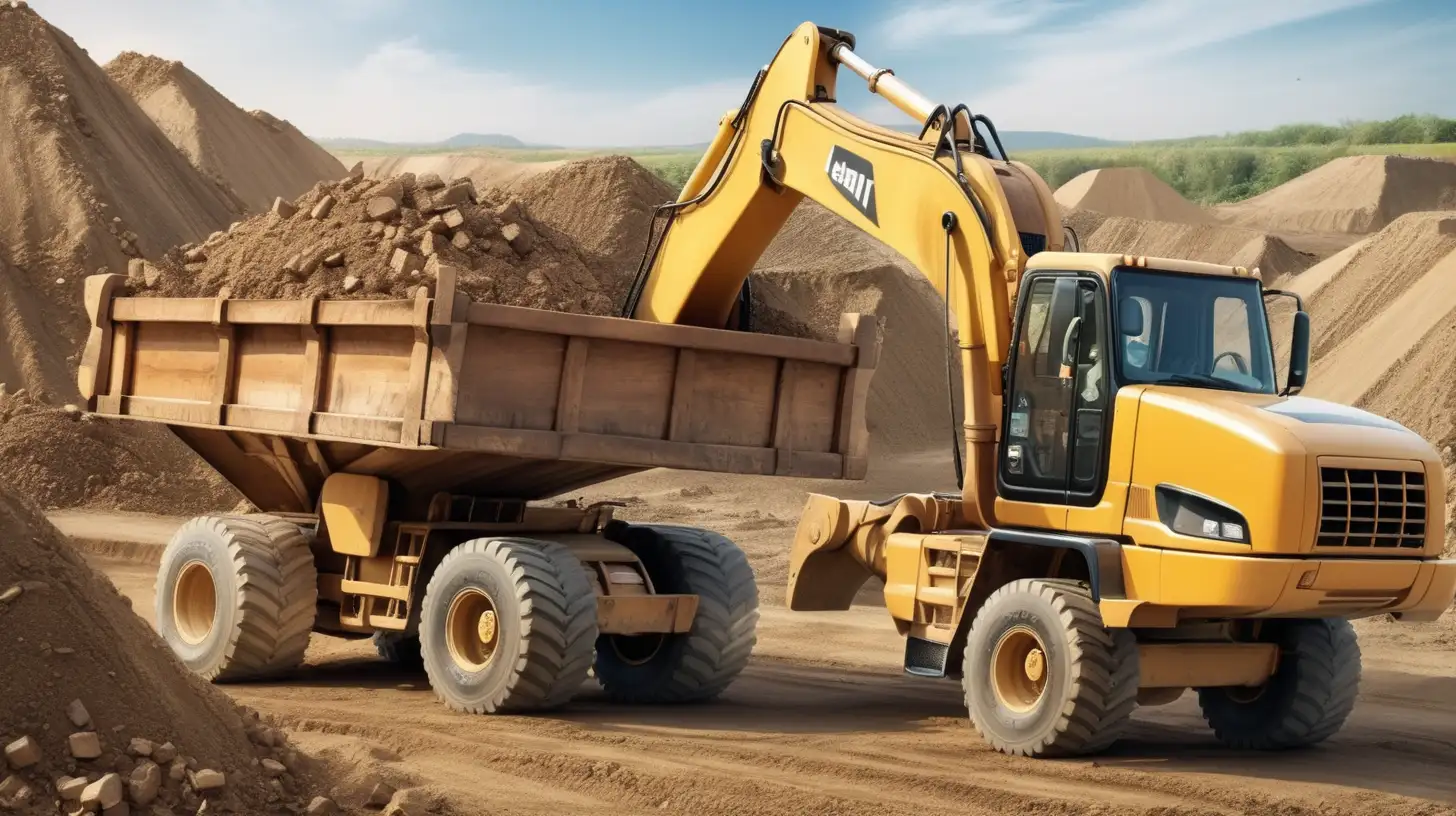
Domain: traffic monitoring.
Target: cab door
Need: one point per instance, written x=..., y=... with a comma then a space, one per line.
x=1057, y=401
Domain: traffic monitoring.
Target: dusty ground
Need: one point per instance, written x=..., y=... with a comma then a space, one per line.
x=824, y=723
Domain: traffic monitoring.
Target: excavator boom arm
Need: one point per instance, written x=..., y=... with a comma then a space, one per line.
x=943, y=207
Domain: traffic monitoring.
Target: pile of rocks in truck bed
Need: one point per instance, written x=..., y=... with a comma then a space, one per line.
x=361, y=238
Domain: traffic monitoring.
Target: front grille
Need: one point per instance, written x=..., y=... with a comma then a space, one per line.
x=1372, y=508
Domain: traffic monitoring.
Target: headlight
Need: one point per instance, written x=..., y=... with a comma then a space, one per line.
x=1190, y=514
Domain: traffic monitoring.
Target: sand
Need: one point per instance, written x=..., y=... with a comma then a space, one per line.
x=1206, y=242
x=484, y=170
x=87, y=181
x=1354, y=194
x=1132, y=192
x=69, y=635
x=255, y=153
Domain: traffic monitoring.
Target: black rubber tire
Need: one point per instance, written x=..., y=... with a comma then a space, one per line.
x=700, y=664
x=265, y=590
x=1312, y=692
x=1091, y=671
x=400, y=649
x=547, y=614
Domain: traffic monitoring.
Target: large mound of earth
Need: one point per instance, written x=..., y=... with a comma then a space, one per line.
x=255, y=153
x=1354, y=194
x=80, y=667
x=59, y=458
x=1203, y=242
x=1131, y=192
x=87, y=182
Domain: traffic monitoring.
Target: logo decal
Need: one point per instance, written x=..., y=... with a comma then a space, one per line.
x=855, y=179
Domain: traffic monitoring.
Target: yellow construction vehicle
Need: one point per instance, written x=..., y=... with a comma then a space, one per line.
x=1144, y=509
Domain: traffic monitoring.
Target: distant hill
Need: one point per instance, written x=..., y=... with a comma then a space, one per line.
x=463, y=140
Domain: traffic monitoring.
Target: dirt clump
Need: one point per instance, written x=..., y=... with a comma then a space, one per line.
x=1210, y=243
x=87, y=182
x=367, y=239
x=1131, y=192
x=258, y=155
x=1354, y=194
x=61, y=458
x=99, y=713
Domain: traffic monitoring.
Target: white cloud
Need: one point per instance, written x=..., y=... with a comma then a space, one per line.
x=351, y=68
x=925, y=22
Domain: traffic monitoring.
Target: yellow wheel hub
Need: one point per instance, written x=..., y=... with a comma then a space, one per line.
x=472, y=630
x=1019, y=670
x=194, y=603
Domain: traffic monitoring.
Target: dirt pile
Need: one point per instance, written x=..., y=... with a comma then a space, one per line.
x=486, y=171
x=1354, y=194
x=605, y=204
x=87, y=181
x=1131, y=192
x=821, y=266
x=1205, y=242
x=59, y=458
x=255, y=153
x=97, y=709
x=364, y=238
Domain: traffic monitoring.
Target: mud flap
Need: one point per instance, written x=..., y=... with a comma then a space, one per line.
x=925, y=658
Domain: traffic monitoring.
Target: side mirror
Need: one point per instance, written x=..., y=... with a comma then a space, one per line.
x=1298, y=354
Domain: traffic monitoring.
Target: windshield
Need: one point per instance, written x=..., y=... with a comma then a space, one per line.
x=1199, y=330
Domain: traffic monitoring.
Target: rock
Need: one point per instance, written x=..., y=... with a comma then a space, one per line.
x=139, y=747
x=292, y=264
x=14, y=793
x=215, y=238
x=208, y=780
x=352, y=283
x=335, y=260
x=164, y=753
x=381, y=208
x=453, y=219
x=85, y=745
x=451, y=197
x=405, y=262
x=273, y=768
x=13, y=592
x=394, y=188
x=429, y=181
x=283, y=208
x=144, y=783
x=103, y=793
x=390, y=232
x=322, y=806
x=435, y=224
x=357, y=171
x=312, y=259
x=322, y=209
x=519, y=238
x=509, y=211
x=196, y=255
x=432, y=243
x=381, y=794
x=141, y=273
x=376, y=229
x=461, y=241
x=22, y=753
x=409, y=802
x=177, y=771
x=69, y=788
x=78, y=715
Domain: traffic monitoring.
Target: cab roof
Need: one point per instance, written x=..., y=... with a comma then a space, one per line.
x=1102, y=264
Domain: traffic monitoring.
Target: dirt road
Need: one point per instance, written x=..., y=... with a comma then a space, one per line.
x=824, y=723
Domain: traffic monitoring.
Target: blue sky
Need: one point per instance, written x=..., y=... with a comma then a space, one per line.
x=650, y=72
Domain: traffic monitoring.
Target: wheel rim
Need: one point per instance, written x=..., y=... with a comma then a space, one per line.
x=1019, y=670
x=472, y=630
x=194, y=603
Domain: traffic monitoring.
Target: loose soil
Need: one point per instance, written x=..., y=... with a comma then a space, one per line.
x=1204, y=242
x=1131, y=192
x=1354, y=194
x=256, y=154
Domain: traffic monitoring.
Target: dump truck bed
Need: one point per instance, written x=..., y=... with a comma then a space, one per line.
x=442, y=394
